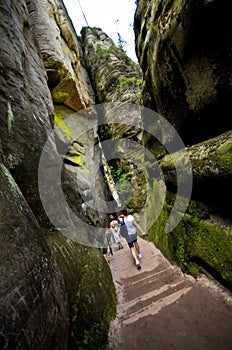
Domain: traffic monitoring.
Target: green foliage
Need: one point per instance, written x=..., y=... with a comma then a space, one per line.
x=121, y=42
x=96, y=337
x=116, y=173
x=102, y=53
x=122, y=179
x=125, y=83
x=196, y=244
x=140, y=95
x=123, y=188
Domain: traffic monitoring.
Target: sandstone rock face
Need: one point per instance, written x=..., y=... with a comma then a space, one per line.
x=89, y=285
x=184, y=49
x=34, y=300
x=33, y=303
x=115, y=76
x=26, y=105
x=83, y=181
x=118, y=84
x=71, y=91
x=62, y=55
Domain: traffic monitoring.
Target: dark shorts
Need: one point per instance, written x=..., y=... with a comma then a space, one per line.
x=131, y=244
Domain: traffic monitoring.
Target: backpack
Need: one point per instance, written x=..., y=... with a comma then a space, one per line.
x=123, y=230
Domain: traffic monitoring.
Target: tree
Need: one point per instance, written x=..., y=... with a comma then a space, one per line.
x=121, y=42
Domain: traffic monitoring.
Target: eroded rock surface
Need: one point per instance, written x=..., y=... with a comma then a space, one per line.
x=41, y=65
x=184, y=50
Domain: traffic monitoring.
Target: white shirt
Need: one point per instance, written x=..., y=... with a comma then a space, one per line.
x=129, y=224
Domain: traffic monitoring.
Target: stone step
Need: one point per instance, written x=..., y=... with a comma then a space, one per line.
x=144, y=285
x=160, y=307
x=153, y=296
x=155, y=306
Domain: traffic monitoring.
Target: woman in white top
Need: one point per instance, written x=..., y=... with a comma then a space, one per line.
x=132, y=227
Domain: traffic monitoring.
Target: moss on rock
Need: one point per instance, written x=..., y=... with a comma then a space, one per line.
x=91, y=292
x=198, y=243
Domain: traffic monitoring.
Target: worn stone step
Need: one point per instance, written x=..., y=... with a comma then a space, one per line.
x=156, y=311
x=156, y=306
x=144, y=275
x=153, y=281
x=154, y=296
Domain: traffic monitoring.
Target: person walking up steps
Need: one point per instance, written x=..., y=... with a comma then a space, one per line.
x=115, y=230
x=132, y=227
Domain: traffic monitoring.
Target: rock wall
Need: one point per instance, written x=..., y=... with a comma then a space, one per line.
x=26, y=103
x=41, y=66
x=34, y=303
x=33, y=294
x=90, y=289
x=62, y=55
x=118, y=84
x=71, y=91
x=184, y=49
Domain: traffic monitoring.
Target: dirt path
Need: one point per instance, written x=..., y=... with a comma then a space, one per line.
x=160, y=308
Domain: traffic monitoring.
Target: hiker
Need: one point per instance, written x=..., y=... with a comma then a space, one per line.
x=132, y=227
x=115, y=229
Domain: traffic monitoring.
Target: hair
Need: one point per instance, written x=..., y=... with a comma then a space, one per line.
x=124, y=211
x=111, y=218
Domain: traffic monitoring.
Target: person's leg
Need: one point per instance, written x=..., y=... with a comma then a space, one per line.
x=120, y=246
x=119, y=243
x=137, y=247
x=134, y=254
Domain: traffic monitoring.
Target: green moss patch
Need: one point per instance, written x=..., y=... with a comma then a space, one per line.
x=197, y=244
x=91, y=292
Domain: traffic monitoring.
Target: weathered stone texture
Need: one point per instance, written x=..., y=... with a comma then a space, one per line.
x=71, y=91
x=33, y=297
x=118, y=84
x=90, y=288
x=114, y=75
x=26, y=105
x=184, y=49
x=211, y=160
x=82, y=179
x=62, y=55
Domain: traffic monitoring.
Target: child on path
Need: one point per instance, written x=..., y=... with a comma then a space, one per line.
x=109, y=242
x=132, y=227
x=115, y=229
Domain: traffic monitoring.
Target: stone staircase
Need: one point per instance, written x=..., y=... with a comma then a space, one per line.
x=151, y=292
x=160, y=308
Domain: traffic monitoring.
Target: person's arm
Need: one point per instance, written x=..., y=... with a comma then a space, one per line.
x=139, y=228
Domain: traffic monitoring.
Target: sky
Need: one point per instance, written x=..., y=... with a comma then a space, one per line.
x=112, y=16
